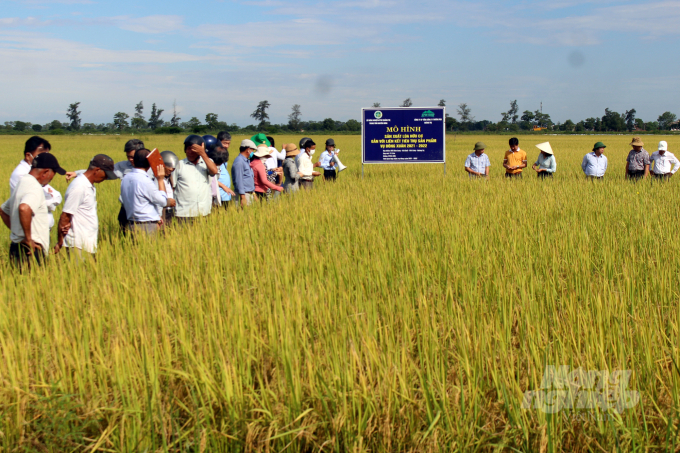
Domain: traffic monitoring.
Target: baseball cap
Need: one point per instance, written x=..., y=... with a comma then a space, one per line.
x=47, y=160
x=248, y=144
x=105, y=163
x=663, y=146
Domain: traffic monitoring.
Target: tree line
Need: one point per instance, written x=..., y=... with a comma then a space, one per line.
x=511, y=121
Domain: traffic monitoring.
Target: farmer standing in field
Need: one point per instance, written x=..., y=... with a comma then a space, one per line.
x=545, y=165
x=594, y=164
x=515, y=160
x=26, y=215
x=306, y=167
x=663, y=160
x=290, y=169
x=327, y=162
x=242, y=175
x=477, y=164
x=637, y=162
x=143, y=200
x=79, y=224
x=192, y=175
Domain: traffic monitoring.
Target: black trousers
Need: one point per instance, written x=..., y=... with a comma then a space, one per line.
x=544, y=174
x=513, y=175
x=661, y=177
x=123, y=220
x=329, y=175
x=20, y=256
x=637, y=174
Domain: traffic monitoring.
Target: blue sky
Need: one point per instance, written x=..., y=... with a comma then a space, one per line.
x=334, y=57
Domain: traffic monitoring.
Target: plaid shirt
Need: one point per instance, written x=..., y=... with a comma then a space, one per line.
x=637, y=160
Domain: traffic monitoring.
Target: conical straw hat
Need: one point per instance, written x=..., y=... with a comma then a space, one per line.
x=545, y=147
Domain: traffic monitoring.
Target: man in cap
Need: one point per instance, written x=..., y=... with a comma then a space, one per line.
x=545, y=165
x=79, y=224
x=477, y=164
x=327, y=162
x=142, y=198
x=242, y=175
x=661, y=162
x=25, y=212
x=33, y=148
x=515, y=160
x=594, y=164
x=637, y=162
x=192, y=175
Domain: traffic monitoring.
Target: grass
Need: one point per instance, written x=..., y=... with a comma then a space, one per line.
x=406, y=311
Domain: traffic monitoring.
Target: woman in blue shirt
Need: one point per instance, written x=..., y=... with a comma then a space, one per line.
x=221, y=158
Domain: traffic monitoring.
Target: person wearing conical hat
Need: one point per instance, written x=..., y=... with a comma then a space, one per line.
x=594, y=164
x=545, y=165
x=662, y=161
x=477, y=164
x=637, y=162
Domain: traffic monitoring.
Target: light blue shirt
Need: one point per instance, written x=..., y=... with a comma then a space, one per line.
x=477, y=163
x=141, y=197
x=224, y=177
x=593, y=165
x=326, y=159
x=549, y=164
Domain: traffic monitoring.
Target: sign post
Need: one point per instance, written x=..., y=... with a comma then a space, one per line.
x=403, y=135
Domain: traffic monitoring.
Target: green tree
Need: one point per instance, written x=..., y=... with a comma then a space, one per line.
x=74, y=116
x=329, y=124
x=260, y=113
x=36, y=127
x=442, y=103
x=120, y=121
x=174, y=122
x=568, y=126
x=665, y=120
x=407, y=103
x=590, y=124
x=613, y=121
x=155, y=120
x=376, y=105
x=295, y=117
x=639, y=123
x=20, y=126
x=465, y=114
x=512, y=113
x=629, y=117
x=580, y=127
x=211, y=121
x=54, y=125
x=193, y=123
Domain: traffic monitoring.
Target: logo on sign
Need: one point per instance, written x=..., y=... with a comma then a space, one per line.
x=378, y=114
x=428, y=114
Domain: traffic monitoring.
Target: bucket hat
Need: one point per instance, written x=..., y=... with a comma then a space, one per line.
x=262, y=151
x=598, y=145
x=637, y=141
x=260, y=138
x=291, y=150
x=480, y=146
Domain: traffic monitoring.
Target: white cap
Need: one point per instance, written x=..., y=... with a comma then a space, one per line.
x=545, y=147
x=663, y=146
x=248, y=144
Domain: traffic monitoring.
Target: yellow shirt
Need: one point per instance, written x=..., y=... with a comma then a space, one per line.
x=515, y=160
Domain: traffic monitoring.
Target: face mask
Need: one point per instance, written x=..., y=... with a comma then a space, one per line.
x=311, y=152
x=251, y=155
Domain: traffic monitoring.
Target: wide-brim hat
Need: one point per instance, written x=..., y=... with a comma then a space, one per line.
x=263, y=151
x=291, y=150
x=637, y=141
x=480, y=146
x=545, y=147
x=598, y=145
x=663, y=146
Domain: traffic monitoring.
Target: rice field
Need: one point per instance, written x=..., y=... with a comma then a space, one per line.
x=405, y=311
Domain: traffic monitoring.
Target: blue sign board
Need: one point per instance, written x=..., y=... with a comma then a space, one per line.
x=403, y=135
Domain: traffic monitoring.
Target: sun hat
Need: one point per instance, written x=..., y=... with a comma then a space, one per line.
x=545, y=147
x=599, y=145
x=260, y=139
x=480, y=146
x=262, y=150
x=637, y=142
x=248, y=144
x=663, y=146
x=291, y=150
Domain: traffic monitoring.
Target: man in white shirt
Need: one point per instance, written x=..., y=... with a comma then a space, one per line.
x=142, y=198
x=34, y=147
x=25, y=212
x=79, y=224
x=192, y=175
x=662, y=161
x=306, y=167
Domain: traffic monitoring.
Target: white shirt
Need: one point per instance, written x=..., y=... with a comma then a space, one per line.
x=662, y=164
x=81, y=203
x=192, y=190
x=273, y=162
x=141, y=197
x=52, y=195
x=305, y=166
x=29, y=191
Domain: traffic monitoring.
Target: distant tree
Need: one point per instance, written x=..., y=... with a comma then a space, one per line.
x=138, y=121
x=74, y=115
x=629, y=118
x=613, y=121
x=9, y=124
x=527, y=116
x=376, y=105
x=665, y=120
x=407, y=103
x=329, y=124
x=652, y=126
x=211, y=121
x=639, y=123
x=260, y=113
x=465, y=114
x=20, y=126
x=174, y=122
x=542, y=119
x=155, y=120
x=568, y=126
x=451, y=123
x=580, y=127
x=54, y=125
x=353, y=125
x=295, y=117
x=590, y=124
x=120, y=121
x=89, y=127
x=505, y=117
x=442, y=103
x=193, y=123
x=512, y=113
x=36, y=127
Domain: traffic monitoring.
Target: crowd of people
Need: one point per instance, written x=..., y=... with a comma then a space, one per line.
x=662, y=164
x=150, y=198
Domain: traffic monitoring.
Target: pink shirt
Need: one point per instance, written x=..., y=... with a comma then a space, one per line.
x=261, y=182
